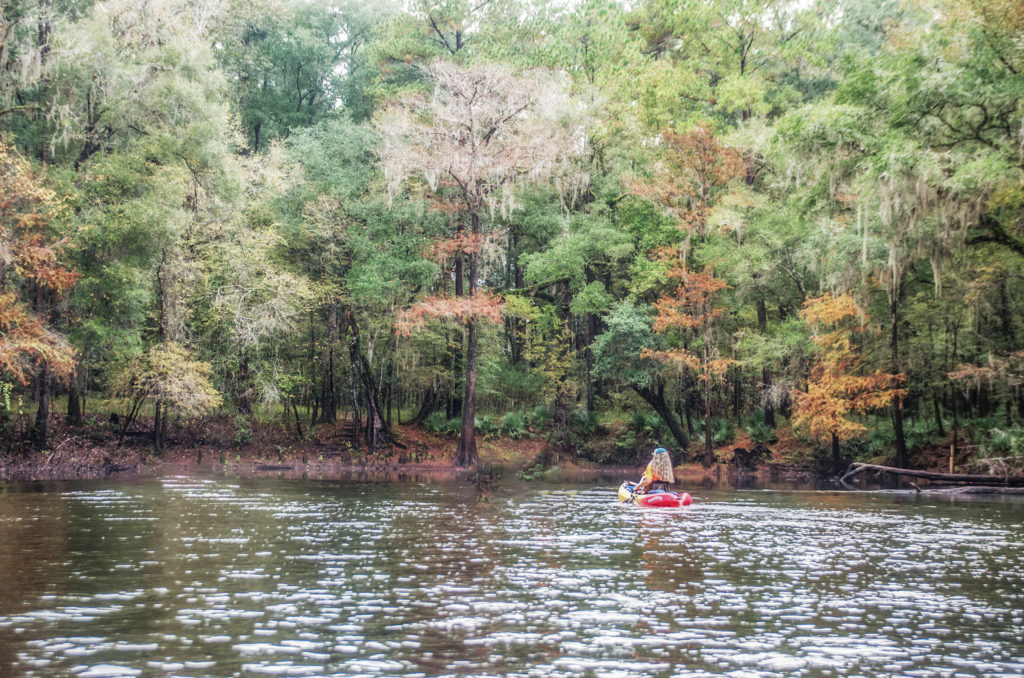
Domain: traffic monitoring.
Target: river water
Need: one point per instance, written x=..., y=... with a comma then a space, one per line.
x=247, y=577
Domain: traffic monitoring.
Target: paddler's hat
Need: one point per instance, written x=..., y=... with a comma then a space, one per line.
x=660, y=450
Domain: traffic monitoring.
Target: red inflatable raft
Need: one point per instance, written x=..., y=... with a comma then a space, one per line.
x=658, y=498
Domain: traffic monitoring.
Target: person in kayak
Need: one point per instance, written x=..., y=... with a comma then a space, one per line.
x=658, y=474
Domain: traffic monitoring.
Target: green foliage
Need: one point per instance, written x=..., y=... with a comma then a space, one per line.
x=435, y=422
x=168, y=374
x=921, y=435
x=5, y=405
x=585, y=424
x=507, y=383
x=761, y=432
x=722, y=431
x=617, y=351
x=645, y=424
x=487, y=426
x=452, y=427
x=541, y=472
x=513, y=425
x=243, y=434
x=540, y=416
x=215, y=180
x=1004, y=442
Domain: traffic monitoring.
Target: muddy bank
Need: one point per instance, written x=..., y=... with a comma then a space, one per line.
x=261, y=449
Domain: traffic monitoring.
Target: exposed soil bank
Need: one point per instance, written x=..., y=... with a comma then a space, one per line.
x=218, y=447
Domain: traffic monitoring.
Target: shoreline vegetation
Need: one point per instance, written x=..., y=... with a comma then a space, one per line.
x=254, y=448
x=546, y=235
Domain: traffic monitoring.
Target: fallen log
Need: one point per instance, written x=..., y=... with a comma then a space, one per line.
x=966, y=478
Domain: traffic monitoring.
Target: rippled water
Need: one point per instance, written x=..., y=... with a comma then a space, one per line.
x=189, y=577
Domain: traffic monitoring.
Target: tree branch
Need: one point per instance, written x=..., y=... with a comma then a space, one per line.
x=997, y=235
x=444, y=40
x=19, y=109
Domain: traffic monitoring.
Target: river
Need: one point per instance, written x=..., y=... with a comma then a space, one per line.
x=186, y=576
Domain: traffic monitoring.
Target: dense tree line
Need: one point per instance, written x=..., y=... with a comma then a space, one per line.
x=665, y=219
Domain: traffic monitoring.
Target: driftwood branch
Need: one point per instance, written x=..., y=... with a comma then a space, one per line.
x=929, y=475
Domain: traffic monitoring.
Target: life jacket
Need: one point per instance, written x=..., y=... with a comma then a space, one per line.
x=656, y=483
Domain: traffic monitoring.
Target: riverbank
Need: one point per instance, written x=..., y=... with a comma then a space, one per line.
x=258, y=448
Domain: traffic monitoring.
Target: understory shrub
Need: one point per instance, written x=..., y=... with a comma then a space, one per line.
x=487, y=426
x=1004, y=442
x=435, y=422
x=541, y=416
x=513, y=425
x=761, y=432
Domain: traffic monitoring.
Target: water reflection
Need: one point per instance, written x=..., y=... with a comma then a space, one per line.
x=192, y=577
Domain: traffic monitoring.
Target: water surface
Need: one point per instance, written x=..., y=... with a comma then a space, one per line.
x=217, y=577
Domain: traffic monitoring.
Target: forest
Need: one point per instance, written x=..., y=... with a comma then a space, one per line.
x=601, y=224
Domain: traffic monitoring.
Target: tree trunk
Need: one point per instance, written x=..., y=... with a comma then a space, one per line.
x=931, y=475
x=709, y=444
x=897, y=402
x=314, y=402
x=688, y=404
x=389, y=402
x=40, y=430
x=955, y=394
x=378, y=432
x=466, y=453
x=769, y=406
x=156, y=427
x=243, y=401
x=357, y=422
x=455, y=403
x=588, y=353
x=562, y=431
x=163, y=428
x=939, y=428
x=74, y=405
x=837, y=461
x=766, y=372
x=656, y=399
x=460, y=276
x=298, y=422
x=737, y=396
x=329, y=400
x=514, y=326
x=427, y=407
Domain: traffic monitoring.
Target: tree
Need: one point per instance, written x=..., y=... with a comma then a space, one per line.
x=696, y=174
x=169, y=377
x=731, y=59
x=837, y=387
x=292, y=64
x=623, y=354
x=483, y=133
x=32, y=280
x=689, y=306
x=364, y=257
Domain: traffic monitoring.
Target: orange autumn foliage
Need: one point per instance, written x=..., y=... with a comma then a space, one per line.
x=480, y=306
x=688, y=306
x=462, y=243
x=1007, y=370
x=837, y=388
x=698, y=170
x=29, y=266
